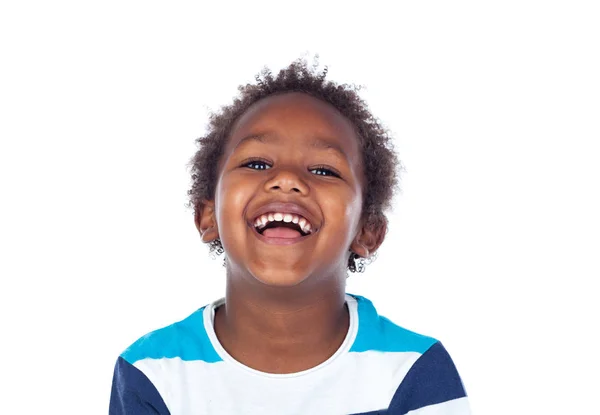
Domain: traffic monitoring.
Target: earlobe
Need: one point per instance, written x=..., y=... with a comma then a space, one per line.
x=359, y=247
x=369, y=239
x=205, y=221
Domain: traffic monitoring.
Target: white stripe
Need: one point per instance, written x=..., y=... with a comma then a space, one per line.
x=353, y=383
x=458, y=406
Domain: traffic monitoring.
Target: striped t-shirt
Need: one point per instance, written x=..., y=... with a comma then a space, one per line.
x=380, y=368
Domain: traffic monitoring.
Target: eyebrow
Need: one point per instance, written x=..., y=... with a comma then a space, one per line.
x=316, y=142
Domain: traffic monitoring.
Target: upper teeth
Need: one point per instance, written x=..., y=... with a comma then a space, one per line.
x=262, y=220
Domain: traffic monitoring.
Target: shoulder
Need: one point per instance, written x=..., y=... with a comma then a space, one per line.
x=416, y=369
x=378, y=333
x=186, y=339
x=148, y=370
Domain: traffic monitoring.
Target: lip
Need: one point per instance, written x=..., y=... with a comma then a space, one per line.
x=280, y=241
x=284, y=207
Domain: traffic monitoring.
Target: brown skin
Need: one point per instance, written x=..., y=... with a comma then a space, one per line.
x=285, y=308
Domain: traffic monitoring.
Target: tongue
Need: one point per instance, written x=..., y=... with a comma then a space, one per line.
x=281, y=232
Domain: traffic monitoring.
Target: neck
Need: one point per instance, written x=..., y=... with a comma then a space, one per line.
x=282, y=329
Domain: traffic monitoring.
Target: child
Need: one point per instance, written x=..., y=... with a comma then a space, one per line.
x=291, y=182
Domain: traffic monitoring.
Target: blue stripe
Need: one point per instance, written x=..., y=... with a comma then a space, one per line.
x=431, y=380
x=380, y=334
x=133, y=393
x=186, y=339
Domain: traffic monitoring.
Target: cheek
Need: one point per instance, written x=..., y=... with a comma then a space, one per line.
x=343, y=212
x=232, y=197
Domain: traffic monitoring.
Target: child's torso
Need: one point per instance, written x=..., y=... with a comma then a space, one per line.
x=191, y=372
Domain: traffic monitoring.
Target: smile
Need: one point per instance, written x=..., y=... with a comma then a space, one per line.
x=286, y=220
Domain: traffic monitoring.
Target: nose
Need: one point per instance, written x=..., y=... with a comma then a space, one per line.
x=287, y=181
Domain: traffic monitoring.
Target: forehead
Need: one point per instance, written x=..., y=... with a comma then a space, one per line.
x=297, y=118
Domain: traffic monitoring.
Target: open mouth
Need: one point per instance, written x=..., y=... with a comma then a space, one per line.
x=282, y=226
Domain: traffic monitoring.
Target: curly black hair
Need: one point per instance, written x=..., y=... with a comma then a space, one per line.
x=381, y=165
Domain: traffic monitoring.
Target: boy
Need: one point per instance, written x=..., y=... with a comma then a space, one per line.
x=291, y=181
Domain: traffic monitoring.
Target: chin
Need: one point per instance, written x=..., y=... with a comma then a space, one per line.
x=279, y=277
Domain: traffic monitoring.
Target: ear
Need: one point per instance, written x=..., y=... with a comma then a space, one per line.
x=369, y=238
x=206, y=221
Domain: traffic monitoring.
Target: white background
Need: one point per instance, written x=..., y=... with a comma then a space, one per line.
x=494, y=243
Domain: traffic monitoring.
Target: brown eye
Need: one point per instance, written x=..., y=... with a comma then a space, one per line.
x=324, y=171
x=256, y=164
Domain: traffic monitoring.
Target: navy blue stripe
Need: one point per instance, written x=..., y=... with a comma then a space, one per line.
x=432, y=379
x=133, y=393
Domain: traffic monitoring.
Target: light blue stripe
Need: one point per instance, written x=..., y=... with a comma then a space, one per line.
x=186, y=339
x=377, y=333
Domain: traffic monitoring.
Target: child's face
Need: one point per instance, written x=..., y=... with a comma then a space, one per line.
x=289, y=171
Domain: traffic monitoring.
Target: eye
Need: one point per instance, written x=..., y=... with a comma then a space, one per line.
x=257, y=164
x=324, y=171
x=261, y=164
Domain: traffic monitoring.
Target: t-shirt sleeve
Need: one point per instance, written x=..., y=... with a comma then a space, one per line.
x=133, y=393
x=431, y=387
